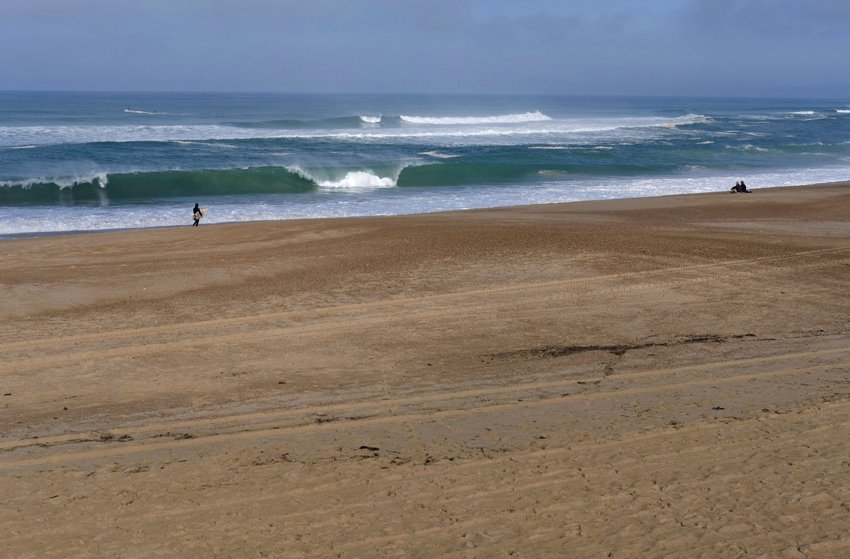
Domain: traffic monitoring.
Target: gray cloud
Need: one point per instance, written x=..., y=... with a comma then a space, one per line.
x=615, y=47
x=794, y=17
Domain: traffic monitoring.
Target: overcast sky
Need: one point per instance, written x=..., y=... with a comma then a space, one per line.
x=652, y=47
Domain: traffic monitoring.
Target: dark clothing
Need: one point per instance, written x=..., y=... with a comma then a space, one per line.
x=196, y=215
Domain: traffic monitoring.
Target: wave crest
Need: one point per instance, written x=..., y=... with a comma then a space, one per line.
x=358, y=180
x=147, y=185
x=535, y=116
x=352, y=180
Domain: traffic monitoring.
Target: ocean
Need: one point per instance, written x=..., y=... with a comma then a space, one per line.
x=99, y=161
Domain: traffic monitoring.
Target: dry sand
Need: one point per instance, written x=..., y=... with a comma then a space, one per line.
x=665, y=377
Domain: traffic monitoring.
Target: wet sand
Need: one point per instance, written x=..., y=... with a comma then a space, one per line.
x=637, y=378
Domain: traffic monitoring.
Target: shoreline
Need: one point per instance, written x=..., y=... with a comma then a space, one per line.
x=641, y=377
x=39, y=234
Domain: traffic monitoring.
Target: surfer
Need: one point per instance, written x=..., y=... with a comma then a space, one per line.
x=196, y=215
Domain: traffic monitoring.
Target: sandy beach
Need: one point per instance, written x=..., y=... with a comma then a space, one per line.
x=655, y=377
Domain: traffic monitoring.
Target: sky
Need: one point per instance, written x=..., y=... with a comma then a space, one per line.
x=778, y=48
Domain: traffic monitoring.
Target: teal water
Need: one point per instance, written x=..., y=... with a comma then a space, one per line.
x=84, y=161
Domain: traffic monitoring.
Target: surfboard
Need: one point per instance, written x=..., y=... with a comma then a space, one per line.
x=204, y=211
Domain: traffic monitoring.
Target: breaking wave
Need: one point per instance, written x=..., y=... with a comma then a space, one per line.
x=535, y=116
x=353, y=128
x=145, y=186
x=159, y=186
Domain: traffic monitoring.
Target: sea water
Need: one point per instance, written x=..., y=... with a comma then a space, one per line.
x=94, y=161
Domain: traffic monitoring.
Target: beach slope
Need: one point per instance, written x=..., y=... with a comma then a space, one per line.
x=635, y=378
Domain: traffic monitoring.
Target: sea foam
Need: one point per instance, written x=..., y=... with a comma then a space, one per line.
x=535, y=116
x=99, y=178
x=438, y=155
x=352, y=180
x=359, y=180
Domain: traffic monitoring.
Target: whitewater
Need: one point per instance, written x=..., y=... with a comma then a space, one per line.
x=98, y=161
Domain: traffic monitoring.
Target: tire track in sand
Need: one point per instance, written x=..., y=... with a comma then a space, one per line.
x=381, y=412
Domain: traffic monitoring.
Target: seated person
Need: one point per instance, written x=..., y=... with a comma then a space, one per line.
x=740, y=187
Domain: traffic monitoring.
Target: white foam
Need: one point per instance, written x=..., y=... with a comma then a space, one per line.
x=536, y=116
x=843, y=111
x=371, y=119
x=438, y=155
x=353, y=180
x=747, y=147
x=686, y=120
x=138, y=112
x=300, y=172
x=50, y=135
x=488, y=135
x=476, y=130
x=359, y=180
x=100, y=178
x=802, y=113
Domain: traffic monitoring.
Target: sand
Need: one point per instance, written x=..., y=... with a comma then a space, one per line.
x=660, y=377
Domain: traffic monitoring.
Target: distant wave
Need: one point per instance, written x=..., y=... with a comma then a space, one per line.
x=686, y=120
x=339, y=122
x=536, y=116
x=208, y=144
x=342, y=122
x=344, y=128
x=79, y=134
x=810, y=115
x=438, y=155
x=747, y=147
x=140, y=112
x=843, y=111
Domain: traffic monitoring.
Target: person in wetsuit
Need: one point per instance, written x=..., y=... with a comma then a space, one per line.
x=196, y=215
